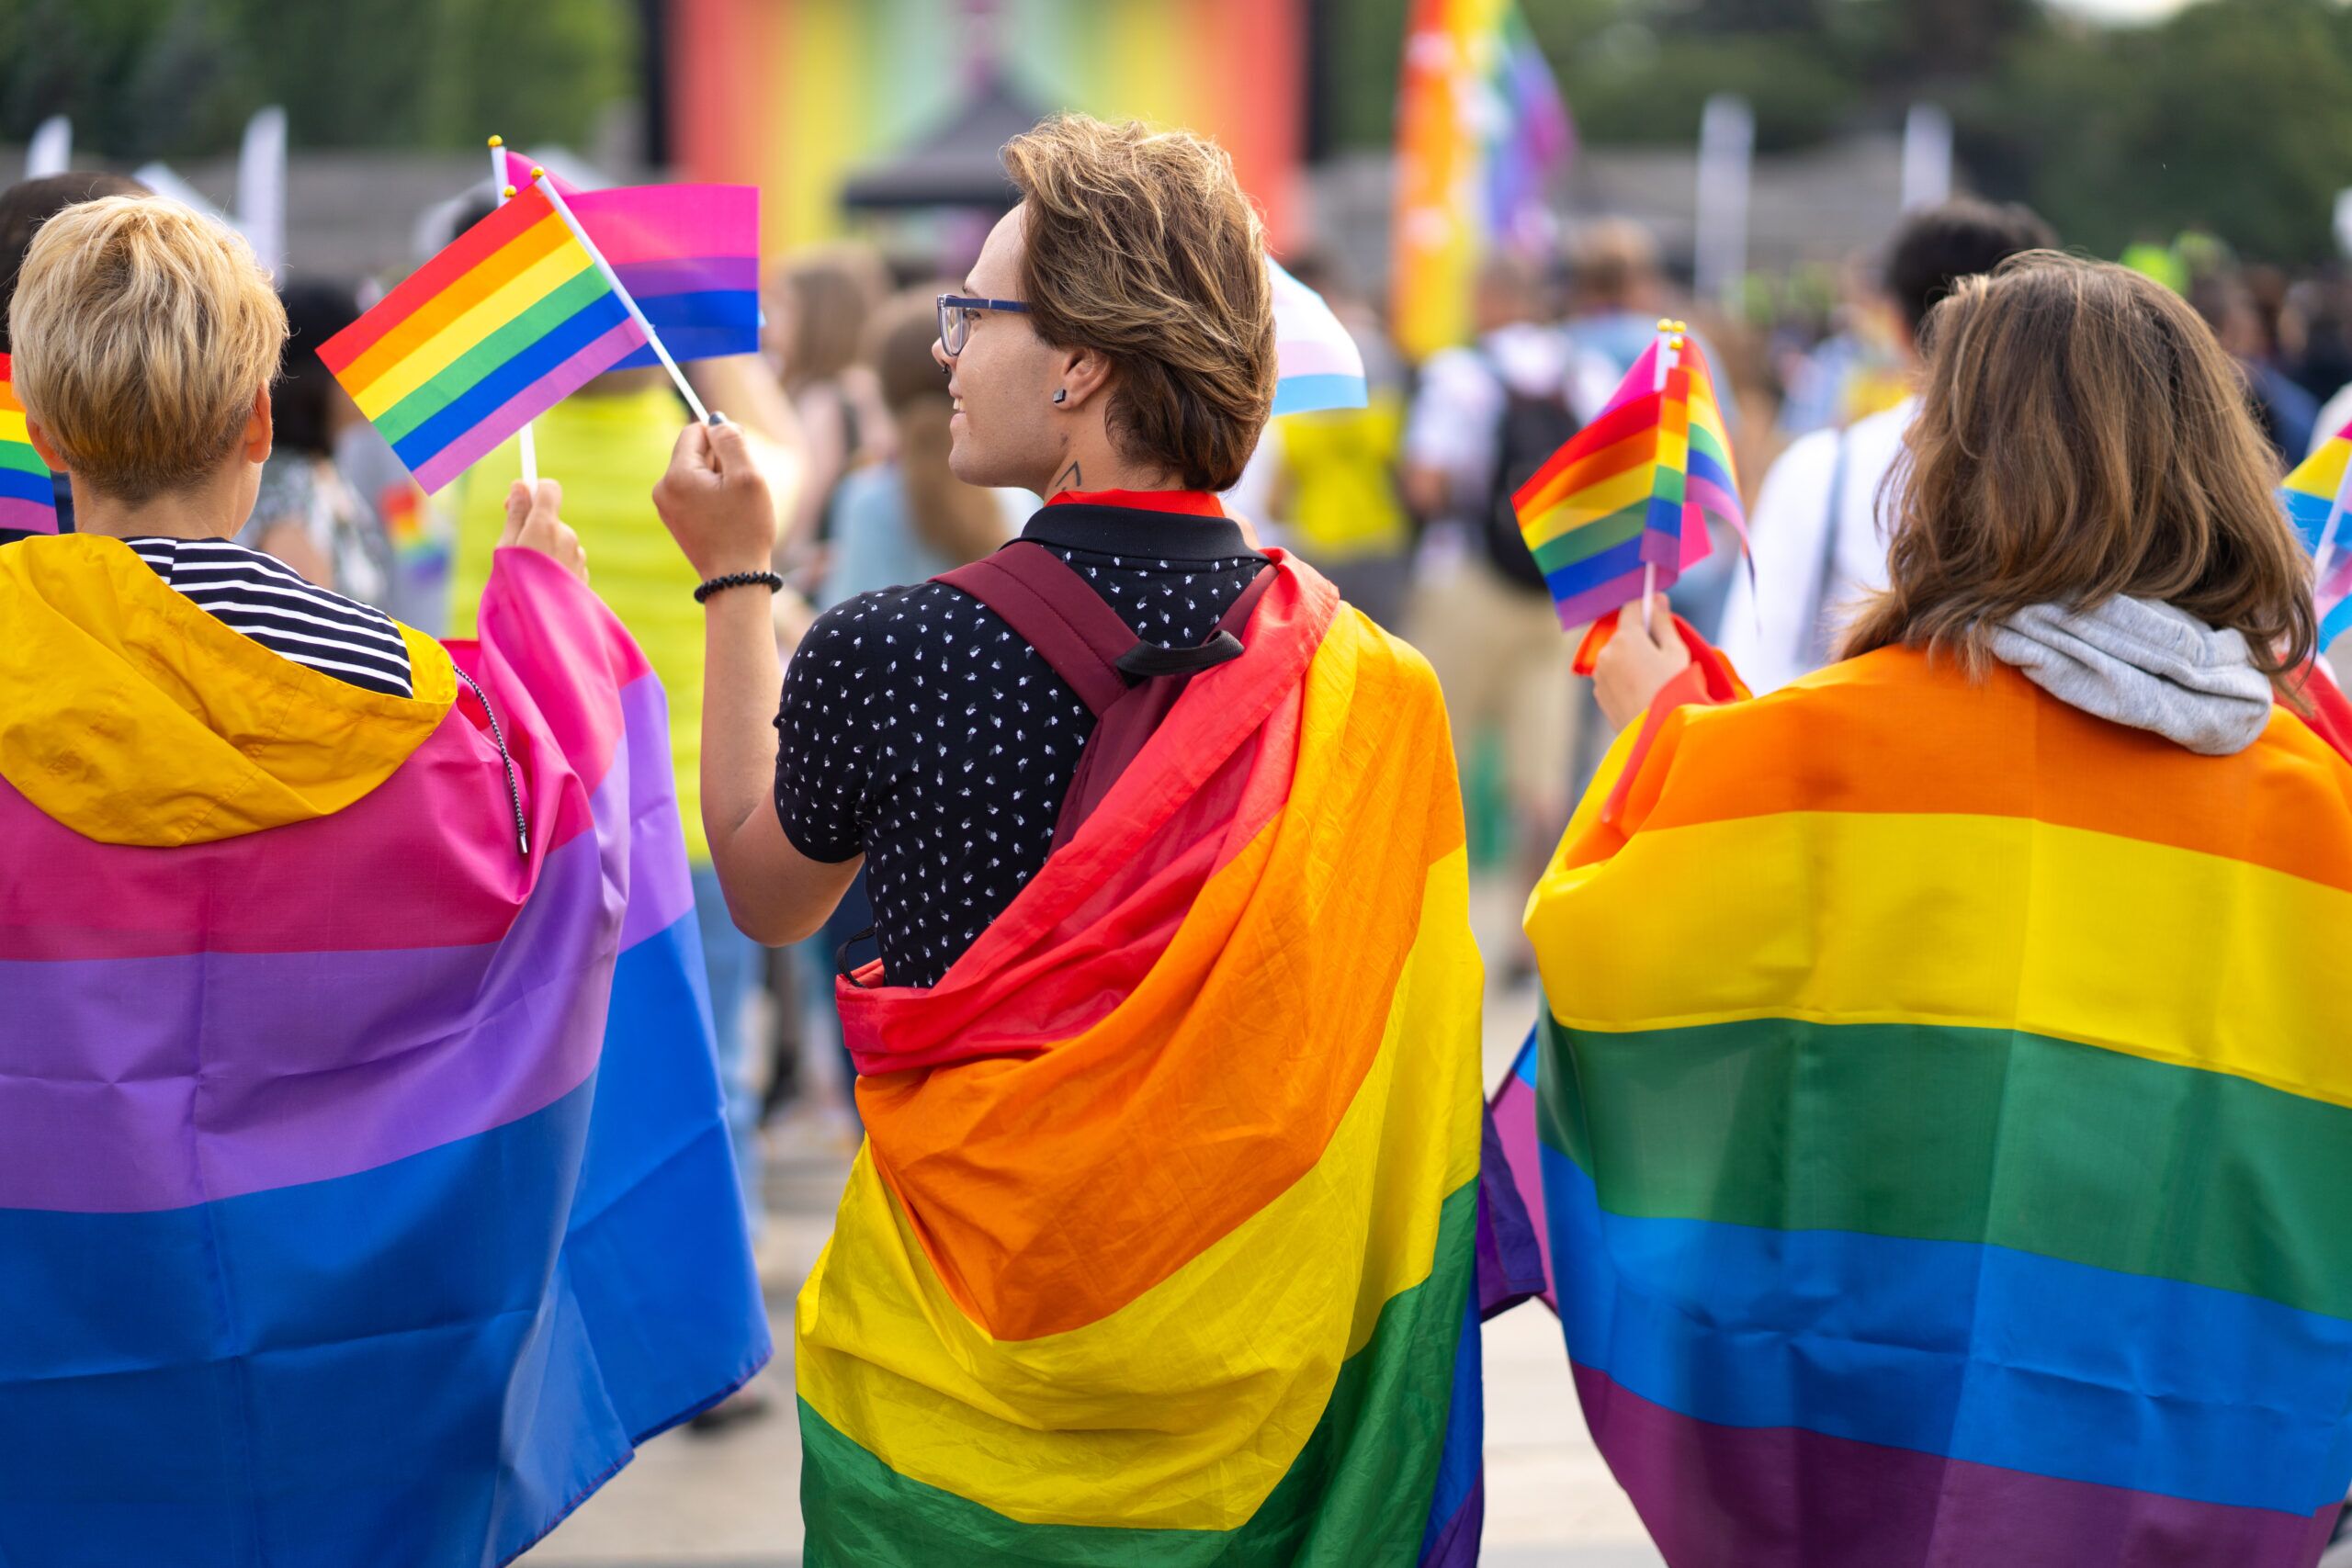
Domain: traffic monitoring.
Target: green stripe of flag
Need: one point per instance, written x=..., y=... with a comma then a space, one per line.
x=1358, y=1492
x=556, y=307
x=1590, y=539
x=21, y=456
x=1946, y=1133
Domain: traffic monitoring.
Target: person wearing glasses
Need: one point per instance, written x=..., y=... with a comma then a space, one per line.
x=1168, y=1038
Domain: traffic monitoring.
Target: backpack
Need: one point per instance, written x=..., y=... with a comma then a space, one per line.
x=1533, y=427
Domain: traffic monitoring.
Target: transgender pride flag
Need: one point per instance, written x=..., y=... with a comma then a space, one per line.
x=1318, y=365
x=364, y=1193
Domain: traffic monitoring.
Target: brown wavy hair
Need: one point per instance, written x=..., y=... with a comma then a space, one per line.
x=1142, y=245
x=958, y=522
x=2081, y=436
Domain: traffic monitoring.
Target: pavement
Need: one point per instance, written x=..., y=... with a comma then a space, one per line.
x=731, y=1498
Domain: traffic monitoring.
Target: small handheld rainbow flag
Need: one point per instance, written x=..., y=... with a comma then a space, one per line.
x=2315, y=496
x=512, y=316
x=1623, y=506
x=27, y=492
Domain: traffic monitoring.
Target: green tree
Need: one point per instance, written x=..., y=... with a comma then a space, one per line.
x=177, y=78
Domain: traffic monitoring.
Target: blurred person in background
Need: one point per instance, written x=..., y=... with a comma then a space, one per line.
x=604, y=445
x=24, y=207
x=1815, y=528
x=1616, y=292
x=307, y=514
x=2288, y=415
x=1336, y=495
x=818, y=304
x=1484, y=418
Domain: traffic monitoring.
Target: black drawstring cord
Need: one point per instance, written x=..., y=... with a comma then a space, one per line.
x=513, y=796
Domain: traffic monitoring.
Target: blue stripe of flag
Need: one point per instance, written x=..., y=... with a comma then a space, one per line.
x=1981, y=1353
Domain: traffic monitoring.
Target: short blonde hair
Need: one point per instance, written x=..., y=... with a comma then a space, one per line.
x=1143, y=246
x=142, y=332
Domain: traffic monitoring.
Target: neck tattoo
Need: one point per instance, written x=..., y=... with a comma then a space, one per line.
x=1070, y=479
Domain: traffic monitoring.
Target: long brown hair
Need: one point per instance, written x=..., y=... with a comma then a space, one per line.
x=951, y=519
x=2081, y=436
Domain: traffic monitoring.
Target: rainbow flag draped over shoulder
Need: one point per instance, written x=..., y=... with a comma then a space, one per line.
x=27, y=491
x=2316, y=496
x=512, y=316
x=1945, y=1125
x=364, y=1191
x=689, y=256
x=1634, y=490
x=1162, y=1248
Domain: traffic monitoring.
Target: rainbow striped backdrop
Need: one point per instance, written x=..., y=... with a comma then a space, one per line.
x=28, y=494
x=510, y=318
x=796, y=95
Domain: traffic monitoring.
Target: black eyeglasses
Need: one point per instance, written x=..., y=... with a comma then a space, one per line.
x=956, y=313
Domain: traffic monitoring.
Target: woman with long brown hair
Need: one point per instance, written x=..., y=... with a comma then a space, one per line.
x=1946, y=1110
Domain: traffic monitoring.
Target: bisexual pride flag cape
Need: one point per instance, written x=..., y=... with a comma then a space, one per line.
x=364, y=1191
x=1162, y=1246
x=1945, y=1122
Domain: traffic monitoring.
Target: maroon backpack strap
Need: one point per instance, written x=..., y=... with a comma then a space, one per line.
x=1050, y=607
x=1126, y=682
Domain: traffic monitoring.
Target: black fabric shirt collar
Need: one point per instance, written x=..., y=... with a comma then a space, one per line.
x=1133, y=531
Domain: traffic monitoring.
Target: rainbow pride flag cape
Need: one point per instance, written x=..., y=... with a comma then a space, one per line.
x=364, y=1191
x=1636, y=489
x=1163, y=1246
x=2317, y=495
x=510, y=318
x=689, y=256
x=1945, y=1125
x=27, y=491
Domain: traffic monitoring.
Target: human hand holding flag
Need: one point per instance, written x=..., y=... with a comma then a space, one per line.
x=1622, y=509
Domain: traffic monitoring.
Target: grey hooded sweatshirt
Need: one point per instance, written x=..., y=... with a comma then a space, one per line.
x=2147, y=664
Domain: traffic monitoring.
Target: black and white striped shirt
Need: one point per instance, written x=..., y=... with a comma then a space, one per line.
x=272, y=604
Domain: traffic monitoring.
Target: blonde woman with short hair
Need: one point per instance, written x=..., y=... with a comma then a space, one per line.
x=310, y=931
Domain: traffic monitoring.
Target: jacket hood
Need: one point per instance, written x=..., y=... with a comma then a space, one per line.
x=2147, y=664
x=132, y=716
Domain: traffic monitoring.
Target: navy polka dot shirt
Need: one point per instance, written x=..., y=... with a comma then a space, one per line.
x=918, y=730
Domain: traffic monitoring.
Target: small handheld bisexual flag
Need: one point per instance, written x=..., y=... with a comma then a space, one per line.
x=510, y=318
x=27, y=492
x=1318, y=365
x=689, y=256
x=1632, y=492
x=2316, y=497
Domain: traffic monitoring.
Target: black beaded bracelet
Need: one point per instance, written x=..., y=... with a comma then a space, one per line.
x=738, y=580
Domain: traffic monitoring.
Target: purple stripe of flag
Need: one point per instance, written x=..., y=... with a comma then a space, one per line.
x=690, y=275
x=1596, y=602
x=27, y=516
x=437, y=1044
x=1713, y=1496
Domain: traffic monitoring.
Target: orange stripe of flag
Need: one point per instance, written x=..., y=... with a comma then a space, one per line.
x=462, y=294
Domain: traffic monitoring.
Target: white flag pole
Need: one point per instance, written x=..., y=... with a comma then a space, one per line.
x=499, y=191
x=261, y=188
x=1662, y=363
x=661, y=349
x=51, y=152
